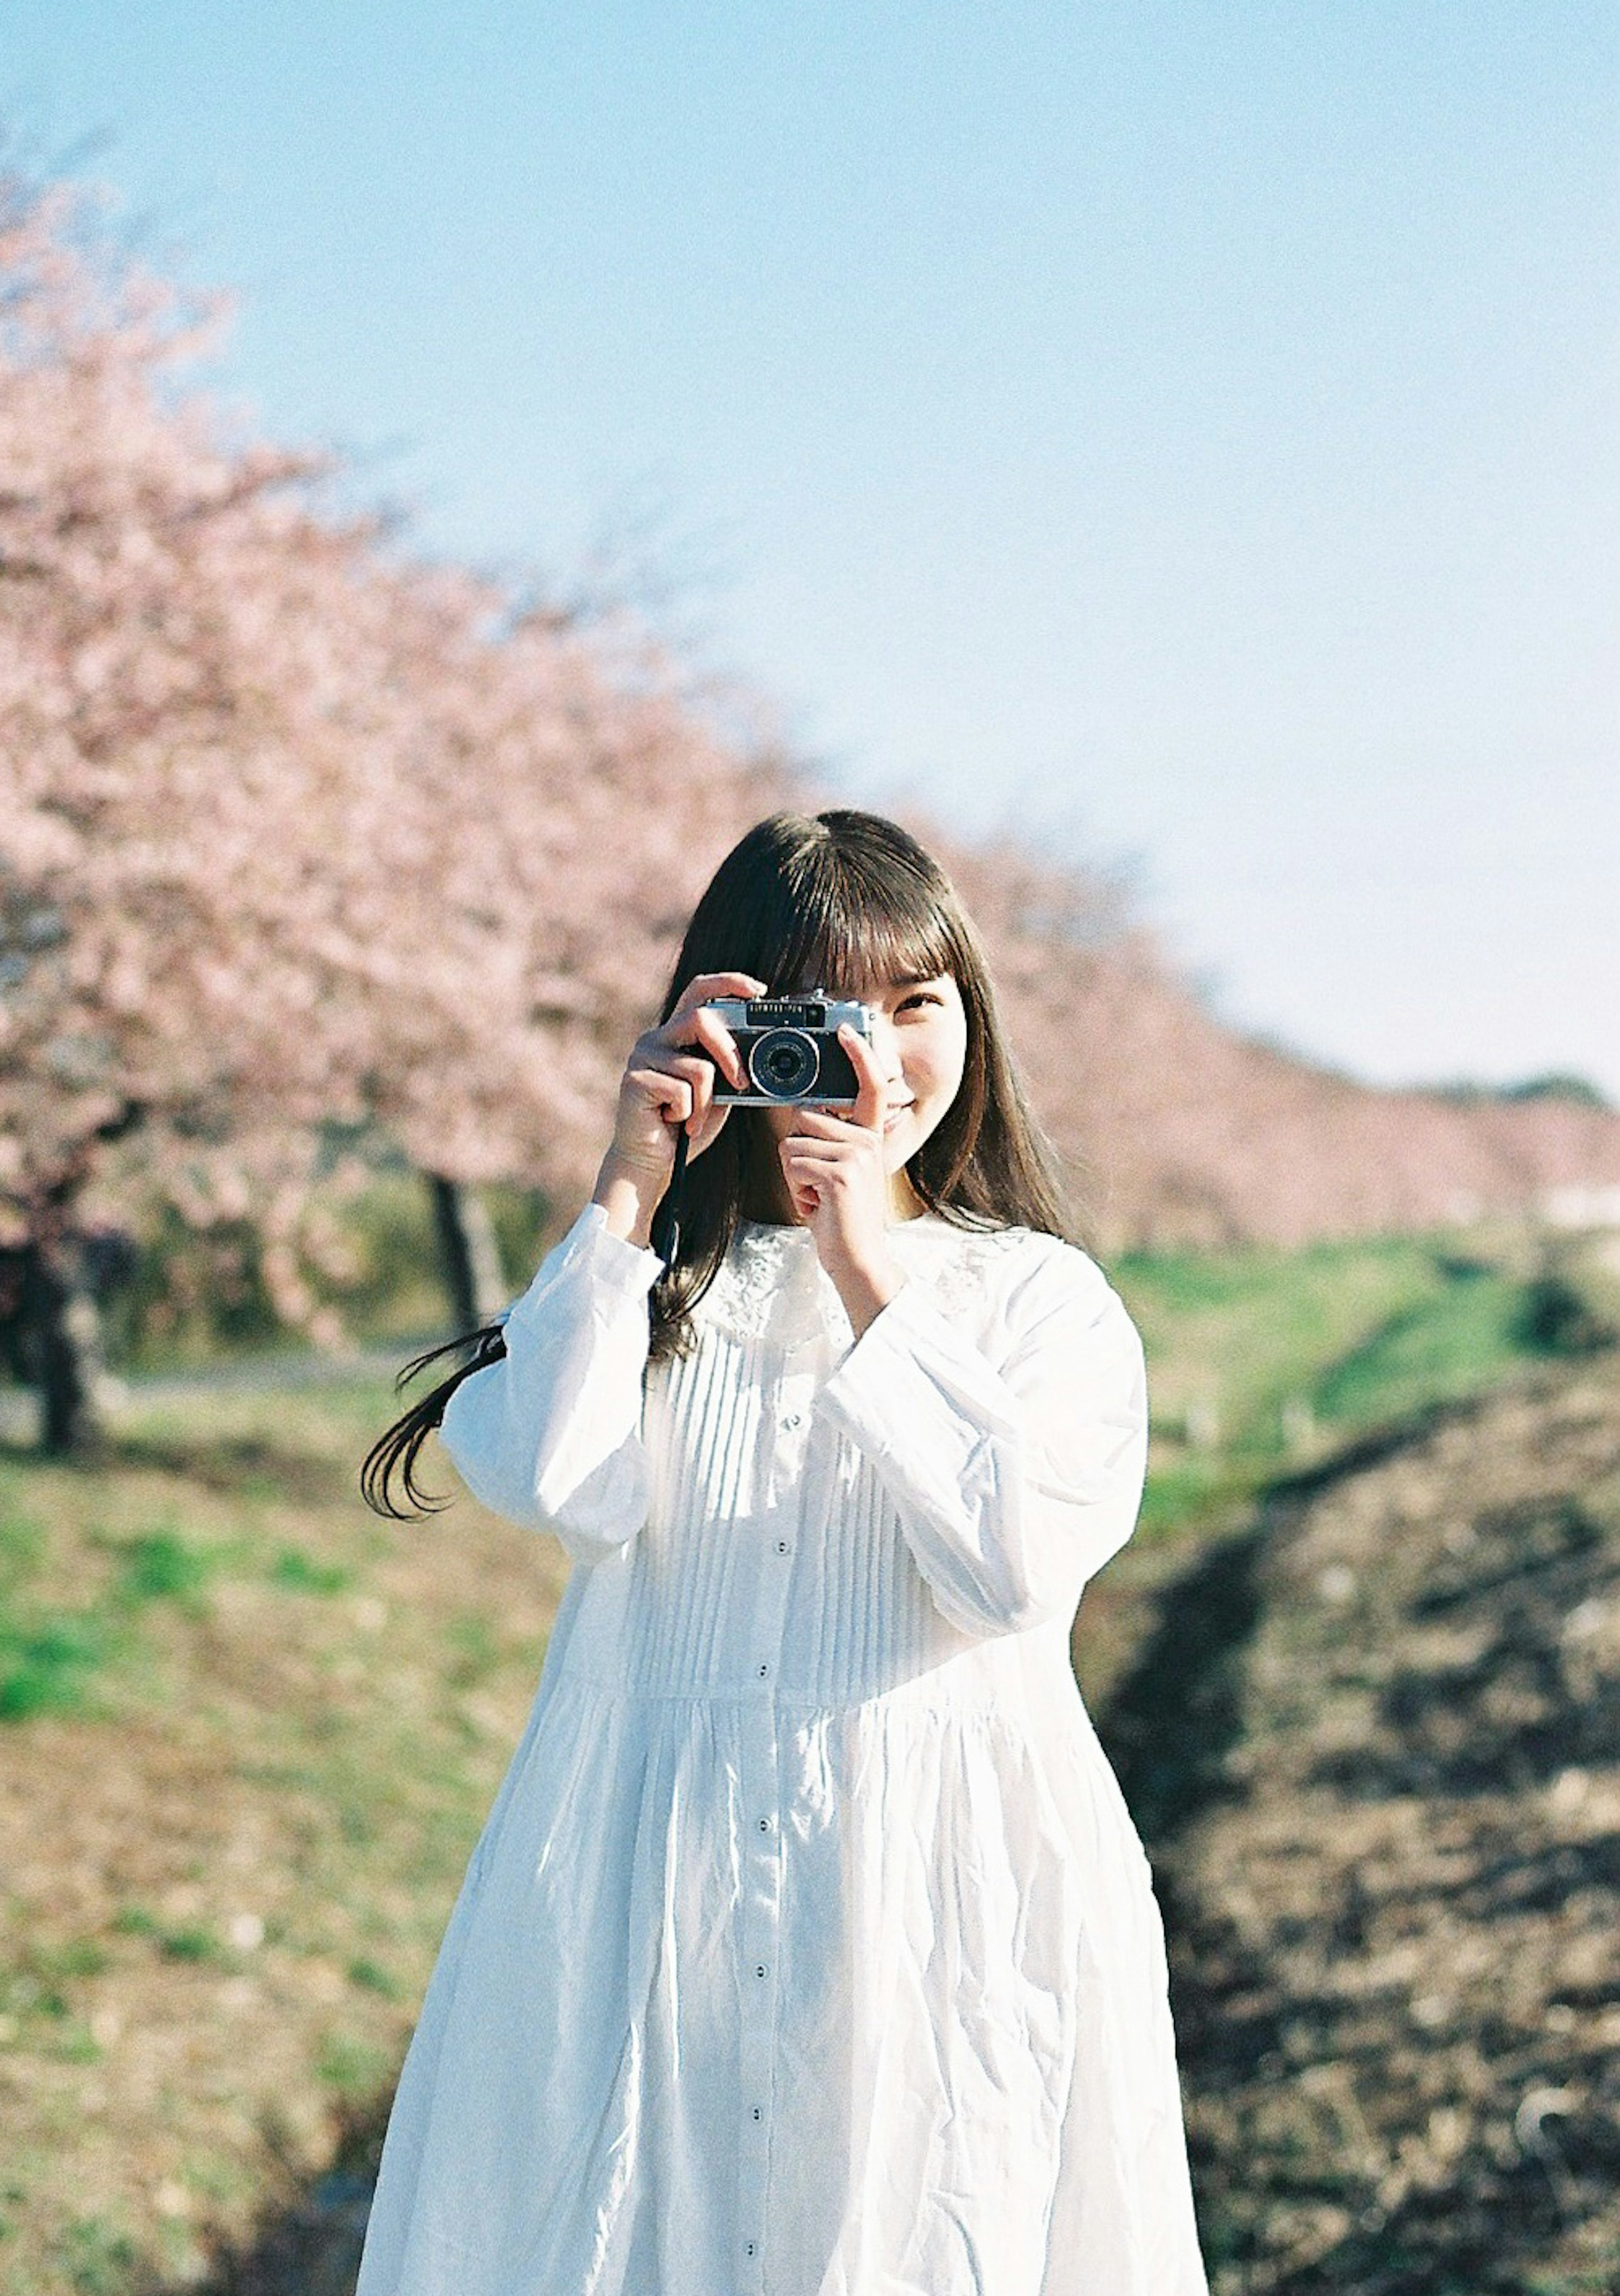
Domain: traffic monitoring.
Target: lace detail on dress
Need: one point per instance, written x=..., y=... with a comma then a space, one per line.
x=772, y=1286
x=962, y=1275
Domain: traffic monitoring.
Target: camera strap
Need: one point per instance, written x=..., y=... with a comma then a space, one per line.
x=664, y=1229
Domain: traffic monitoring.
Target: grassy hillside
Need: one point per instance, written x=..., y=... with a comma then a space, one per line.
x=1262, y=1356
x=252, y=1731
x=249, y=1732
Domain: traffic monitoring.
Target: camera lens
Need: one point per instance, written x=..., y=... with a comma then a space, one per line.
x=783, y=1064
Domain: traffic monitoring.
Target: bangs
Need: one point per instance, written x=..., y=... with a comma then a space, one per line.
x=854, y=930
x=848, y=902
x=842, y=900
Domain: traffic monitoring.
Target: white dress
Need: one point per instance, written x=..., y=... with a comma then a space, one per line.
x=809, y=1949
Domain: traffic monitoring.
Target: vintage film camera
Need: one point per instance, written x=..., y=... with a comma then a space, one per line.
x=789, y=1050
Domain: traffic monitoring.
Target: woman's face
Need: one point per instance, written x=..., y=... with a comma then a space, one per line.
x=919, y=1041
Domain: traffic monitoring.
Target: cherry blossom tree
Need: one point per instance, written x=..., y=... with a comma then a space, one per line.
x=1179, y=1131
x=292, y=833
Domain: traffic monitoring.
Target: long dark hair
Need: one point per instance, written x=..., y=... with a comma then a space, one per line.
x=844, y=900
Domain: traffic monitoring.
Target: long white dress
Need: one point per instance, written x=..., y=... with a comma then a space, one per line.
x=809, y=1949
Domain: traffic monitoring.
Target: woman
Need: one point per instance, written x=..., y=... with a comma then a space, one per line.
x=809, y=1949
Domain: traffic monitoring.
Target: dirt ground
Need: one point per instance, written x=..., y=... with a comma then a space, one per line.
x=1375, y=1744
x=1371, y=1735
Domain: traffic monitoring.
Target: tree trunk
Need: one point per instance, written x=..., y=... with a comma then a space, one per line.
x=51, y=1298
x=468, y=1252
x=62, y=1346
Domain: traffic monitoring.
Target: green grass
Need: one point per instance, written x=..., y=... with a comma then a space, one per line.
x=1237, y=1332
x=48, y=1659
x=52, y=1657
x=22, y=1535
x=373, y=1977
x=1463, y=1334
x=164, y=1566
x=97, y=2256
x=352, y=2067
x=1186, y=1492
x=301, y=1575
x=196, y=1941
x=1260, y=1357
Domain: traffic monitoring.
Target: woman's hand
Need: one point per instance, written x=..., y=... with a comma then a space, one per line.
x=667, y=1084
x=838, y=1182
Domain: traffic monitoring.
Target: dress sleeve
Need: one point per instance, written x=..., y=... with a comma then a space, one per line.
x=549, y=1436
x=1014, y=1479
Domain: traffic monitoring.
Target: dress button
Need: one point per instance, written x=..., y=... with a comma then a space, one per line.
x=764, y=1825
x=764, y=1670
x=751, y=2248
x=759, y=1969
x=792, y=1420
x=758, y=2114
x=781, y=1546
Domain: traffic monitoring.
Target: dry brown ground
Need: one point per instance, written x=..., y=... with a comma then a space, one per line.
x=1375, y=1742
x=1370, y=1736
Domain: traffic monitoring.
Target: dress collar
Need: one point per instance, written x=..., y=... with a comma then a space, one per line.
x=772, y=1284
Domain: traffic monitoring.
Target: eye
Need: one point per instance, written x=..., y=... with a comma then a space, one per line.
x=921, y=997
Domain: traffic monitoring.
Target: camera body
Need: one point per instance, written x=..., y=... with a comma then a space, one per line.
x=789, y=1050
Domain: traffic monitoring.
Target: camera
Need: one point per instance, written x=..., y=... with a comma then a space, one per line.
x=789, y=1048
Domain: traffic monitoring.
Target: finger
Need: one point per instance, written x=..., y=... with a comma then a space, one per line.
x=847, y=1156
x=803, y=1190
x=868, y=1109
x=703, y=986
x=669, y=1093
x=699, y=1075
x=823, y=1124
x=704, y=1027
x=667, y=1060
x=709, y=1131
x=827, y=1155
x=831, y=1180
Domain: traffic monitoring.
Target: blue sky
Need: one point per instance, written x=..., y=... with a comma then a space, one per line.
x=1187, y=429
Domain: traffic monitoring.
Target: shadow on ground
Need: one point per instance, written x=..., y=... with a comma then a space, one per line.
x=1374, y=1746
x=308, y=2246
x=233, y=1463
